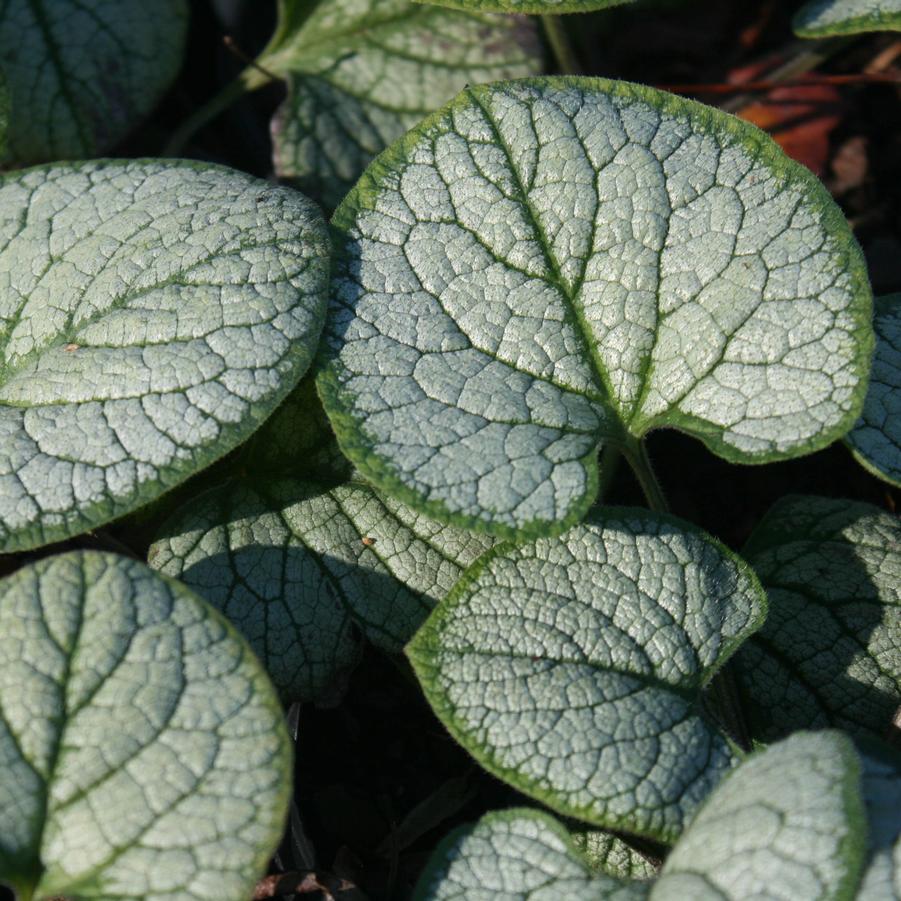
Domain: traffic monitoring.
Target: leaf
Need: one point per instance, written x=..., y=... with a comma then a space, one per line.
x=515, y=855
x=153, y=314
x=144, y=752
x=4, y=114
x=882, y=795
x=788, y=823
x=611, y=855
x=552, y=263
x=876, y=439
x=83, y=73
x=362, y=72
x=830, y=651
x=538, y=7
x=304, y=569
x=572, y=668
x=825, y=18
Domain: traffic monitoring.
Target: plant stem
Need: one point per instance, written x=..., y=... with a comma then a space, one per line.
x=249, y=80
x=564, y=54
x=637, y=454
x=609, y=463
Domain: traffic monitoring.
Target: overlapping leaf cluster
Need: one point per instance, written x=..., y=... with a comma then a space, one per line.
x=533, y=270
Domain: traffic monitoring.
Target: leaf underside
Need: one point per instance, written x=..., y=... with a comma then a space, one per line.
x=83, y=73
x=552, y=263
x=360, y=73
x=830, y=650
x=572, y=668
x=152, y=314
x=826, y=18
x=143, y=749
x=876, y=438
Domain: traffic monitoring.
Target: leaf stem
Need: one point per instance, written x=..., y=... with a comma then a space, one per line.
x=637, y=454
x=609, y=464
x=567, y=62
x=249, y=80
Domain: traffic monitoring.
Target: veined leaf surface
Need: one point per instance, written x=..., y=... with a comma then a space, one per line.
x=882, y=796
x=551, y=263
x=152, y=314
x=362, y=72
x=516, y=855
x=606, y=853
x=144, y=753
x=305, y=569
x=825, y=18
x=572, y=667
x=788, y=823
x=830, y=650
x=82, y=73
x=876, y=439
x=536, y=7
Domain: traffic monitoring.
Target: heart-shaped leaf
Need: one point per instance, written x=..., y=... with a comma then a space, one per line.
x=152, y=314
x=825, y=18
x=572, y=667
x=516, y=855
x=538, y=7
x=882, y=796
x=143, y=750
x=876, y=439
x=788, y=823
x=361, y=73
x=82, y=73
x=549, y=263
x=830, y=651
x=304, y=570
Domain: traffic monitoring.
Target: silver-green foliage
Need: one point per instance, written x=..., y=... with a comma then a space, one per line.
x=787, y=825
x=547, y=264
x=361, y=72
x=143, y=749
x=536, y=7
x=876, y=438
x=830, y=650
x=516, y=855
x=306, y=569
x=152, y=314
x=573, y=667
x=606, y=853
x=825, y=18
x=82, y=73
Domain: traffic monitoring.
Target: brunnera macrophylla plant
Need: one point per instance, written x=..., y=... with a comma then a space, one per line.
x=543, y=270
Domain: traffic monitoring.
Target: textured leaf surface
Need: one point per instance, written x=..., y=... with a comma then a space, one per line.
x=572, y=667
x=305, y=571
x=882, y=796
x=611, y=855
x=151, y=316
x=876, y=439
x=822, y=18
x=362, y=72
x=550, y=263
x=143, y=749
x=550, y=7
x=516, y=855
x=830, y=651
x=82, y=73
x=787, y=824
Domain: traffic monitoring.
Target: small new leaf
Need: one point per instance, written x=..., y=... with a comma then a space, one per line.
x=830, y=651
x=551, y=263
x=573, y=667
x=144, y=751
x=152, y=315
